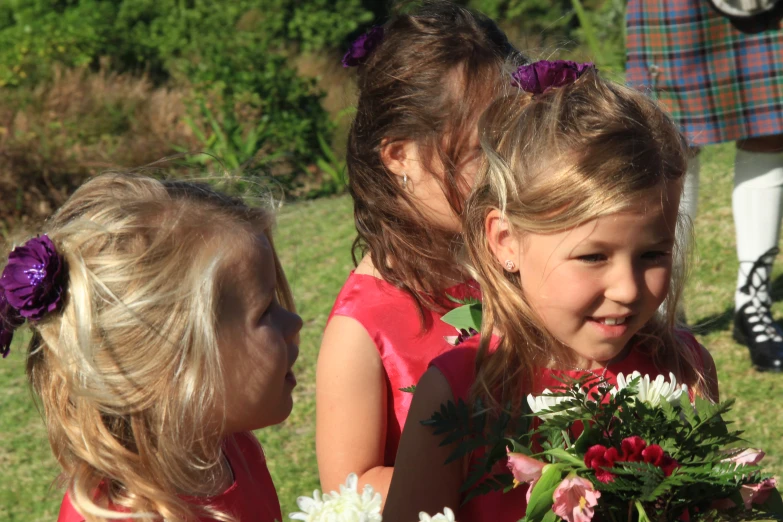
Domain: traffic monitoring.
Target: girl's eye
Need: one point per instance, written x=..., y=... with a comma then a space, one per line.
x=592, y=258
x=656, y=255
x=266, y=311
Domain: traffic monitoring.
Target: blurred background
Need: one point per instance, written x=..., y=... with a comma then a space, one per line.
x=91, y=85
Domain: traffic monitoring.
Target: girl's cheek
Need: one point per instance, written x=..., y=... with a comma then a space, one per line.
x=659, y=280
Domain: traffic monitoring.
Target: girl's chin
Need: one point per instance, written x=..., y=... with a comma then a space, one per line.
x=599, y=357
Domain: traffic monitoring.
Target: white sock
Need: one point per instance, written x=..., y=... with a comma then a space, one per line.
x=689, y=204
x=756, y=202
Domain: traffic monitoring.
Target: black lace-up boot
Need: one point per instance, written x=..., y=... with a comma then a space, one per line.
x=753, y=323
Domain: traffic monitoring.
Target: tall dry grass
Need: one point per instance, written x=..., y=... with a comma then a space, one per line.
x=76, y=125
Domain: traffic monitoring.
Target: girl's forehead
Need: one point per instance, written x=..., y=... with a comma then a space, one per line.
x=250, y=264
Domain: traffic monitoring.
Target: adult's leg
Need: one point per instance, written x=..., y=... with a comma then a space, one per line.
x=757, y=202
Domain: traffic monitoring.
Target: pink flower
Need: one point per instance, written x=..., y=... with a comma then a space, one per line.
x=757, y=493
x=524, y=468
x=748, y=456
x=600, y=458
x=575, y=499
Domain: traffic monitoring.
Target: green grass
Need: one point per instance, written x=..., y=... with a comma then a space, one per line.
x=314, y=242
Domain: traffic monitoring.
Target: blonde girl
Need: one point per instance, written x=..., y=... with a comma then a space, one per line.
x=571, y=232
x=163, y=333
x=424, y=78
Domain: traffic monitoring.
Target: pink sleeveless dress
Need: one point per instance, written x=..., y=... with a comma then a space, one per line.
x=251, y=498
x=458, y=366
x=405, y=343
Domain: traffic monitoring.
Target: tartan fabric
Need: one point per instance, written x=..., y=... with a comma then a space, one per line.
x=718, y=83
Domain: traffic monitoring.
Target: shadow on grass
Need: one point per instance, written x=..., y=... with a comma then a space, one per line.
x=722, y=321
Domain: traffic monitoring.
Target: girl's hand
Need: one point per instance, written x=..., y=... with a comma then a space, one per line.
x=421, y=481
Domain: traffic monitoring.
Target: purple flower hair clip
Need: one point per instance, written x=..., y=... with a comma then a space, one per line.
x=32, y=285
x=362, y=47
x=539, y=77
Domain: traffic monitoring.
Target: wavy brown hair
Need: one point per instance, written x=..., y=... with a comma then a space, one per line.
x=554, y=162
x=429, y=79
x=128, y=373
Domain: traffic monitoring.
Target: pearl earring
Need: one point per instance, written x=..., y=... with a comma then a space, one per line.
x=510, y=266
x=404, y=180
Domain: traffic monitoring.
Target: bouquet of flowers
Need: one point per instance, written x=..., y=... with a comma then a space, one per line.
x=349, y=505
x=639, y=451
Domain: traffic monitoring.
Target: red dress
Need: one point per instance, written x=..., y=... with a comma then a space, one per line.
x=393, y=322
x=458, y=366
x=251, y=498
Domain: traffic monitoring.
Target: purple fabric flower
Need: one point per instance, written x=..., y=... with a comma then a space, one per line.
x=539, y=77
x=362, y=47
x=34, y=278
x=10, y=320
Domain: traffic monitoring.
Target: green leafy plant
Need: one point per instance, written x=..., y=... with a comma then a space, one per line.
x=235, y=145
x=532, y=17
x=602, y=30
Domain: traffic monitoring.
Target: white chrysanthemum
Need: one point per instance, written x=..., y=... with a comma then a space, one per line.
x=446, y=516
x=545, y=401
x=655, y=391
x=346, y=506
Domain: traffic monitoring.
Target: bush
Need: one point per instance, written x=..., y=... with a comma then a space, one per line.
x=239, y=53
x=551, y=18
x=35, y=34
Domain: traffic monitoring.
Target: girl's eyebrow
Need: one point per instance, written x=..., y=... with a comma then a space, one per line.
x=599, y=244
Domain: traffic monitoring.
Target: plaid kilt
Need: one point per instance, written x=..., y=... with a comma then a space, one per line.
x=718, y=83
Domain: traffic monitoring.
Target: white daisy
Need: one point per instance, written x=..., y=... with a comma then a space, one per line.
x=346, y=506
x=653, y=392
x=446, y=516
x=546, y=401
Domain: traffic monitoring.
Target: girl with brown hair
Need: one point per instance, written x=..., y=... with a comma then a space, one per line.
x=424, y=78
x=570, y=231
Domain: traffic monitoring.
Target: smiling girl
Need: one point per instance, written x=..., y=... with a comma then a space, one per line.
x=571, y=233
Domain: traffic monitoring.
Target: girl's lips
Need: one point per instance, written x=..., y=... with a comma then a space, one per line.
x=610, y=331
x=290, y=378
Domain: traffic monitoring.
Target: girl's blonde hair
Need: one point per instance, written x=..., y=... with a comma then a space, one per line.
x=129, y=372
x=554, y=162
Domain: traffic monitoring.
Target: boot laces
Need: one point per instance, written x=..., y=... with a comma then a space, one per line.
x=757, y=311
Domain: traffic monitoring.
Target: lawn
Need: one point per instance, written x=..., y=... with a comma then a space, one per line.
x=314, y=240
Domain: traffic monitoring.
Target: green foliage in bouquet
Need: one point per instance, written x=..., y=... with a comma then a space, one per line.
x=641, y=451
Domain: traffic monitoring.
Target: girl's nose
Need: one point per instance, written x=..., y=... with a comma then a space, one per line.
x=293, y=324
x=624, y=284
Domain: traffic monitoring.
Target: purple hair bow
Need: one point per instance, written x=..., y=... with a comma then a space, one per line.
x=362, y=47
x=539, y=77
x=31, y=286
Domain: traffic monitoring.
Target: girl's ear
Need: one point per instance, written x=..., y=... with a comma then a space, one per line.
x=401, y=158
x=504, y=244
